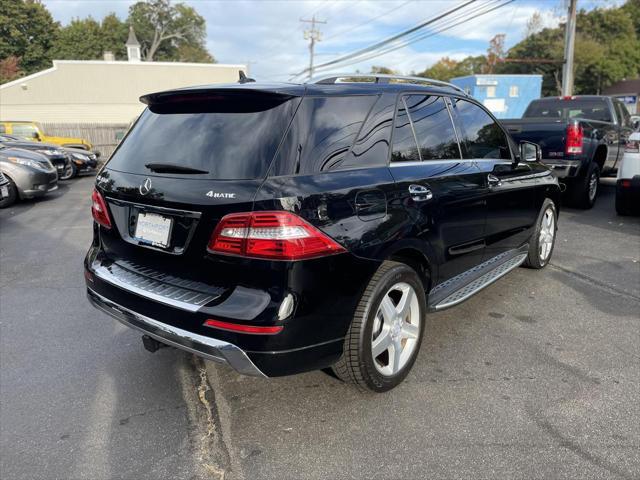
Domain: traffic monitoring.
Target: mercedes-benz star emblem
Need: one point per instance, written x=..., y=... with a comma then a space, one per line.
x=145, y=187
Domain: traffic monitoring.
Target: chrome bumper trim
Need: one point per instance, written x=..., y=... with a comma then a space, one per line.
x=156, y=286
x=206, y=347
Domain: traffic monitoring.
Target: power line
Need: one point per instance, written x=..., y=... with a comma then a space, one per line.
x=441, y=28
x=393, y=38
x=385, y=13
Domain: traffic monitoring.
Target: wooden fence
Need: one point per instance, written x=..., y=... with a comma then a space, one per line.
x=103, y=136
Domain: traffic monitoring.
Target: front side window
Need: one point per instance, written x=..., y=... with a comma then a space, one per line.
x=426, y=132
x=483, y=137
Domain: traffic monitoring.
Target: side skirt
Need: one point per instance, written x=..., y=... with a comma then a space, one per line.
x=459, y=288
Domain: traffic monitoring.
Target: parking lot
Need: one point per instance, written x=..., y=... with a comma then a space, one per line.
x=538, y=376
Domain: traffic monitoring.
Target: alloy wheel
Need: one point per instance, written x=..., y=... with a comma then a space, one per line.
x=396, y=328
x=547, y=234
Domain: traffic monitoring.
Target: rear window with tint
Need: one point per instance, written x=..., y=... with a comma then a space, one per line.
x=590, y=108
x=230, y=137
x=322, y=134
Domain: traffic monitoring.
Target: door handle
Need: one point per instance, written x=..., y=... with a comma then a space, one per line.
x=493, y=180
x=420, y=193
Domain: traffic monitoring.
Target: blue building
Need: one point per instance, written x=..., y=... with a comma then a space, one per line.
x=506, y=96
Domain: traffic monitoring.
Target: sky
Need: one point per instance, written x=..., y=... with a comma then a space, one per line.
x=269, y=37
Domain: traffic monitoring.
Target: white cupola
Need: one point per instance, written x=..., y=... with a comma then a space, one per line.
x=133, y=46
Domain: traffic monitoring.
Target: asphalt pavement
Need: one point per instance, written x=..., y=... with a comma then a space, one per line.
x=538, y=376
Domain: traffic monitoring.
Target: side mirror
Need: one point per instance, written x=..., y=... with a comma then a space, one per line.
x=98, y=153
x=530, y=152
x=636, y=125
x=36, y=135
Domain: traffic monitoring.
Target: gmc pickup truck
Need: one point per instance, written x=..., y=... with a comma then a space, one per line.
x=582, y=138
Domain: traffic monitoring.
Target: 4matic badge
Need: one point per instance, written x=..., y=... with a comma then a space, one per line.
x=213, y=194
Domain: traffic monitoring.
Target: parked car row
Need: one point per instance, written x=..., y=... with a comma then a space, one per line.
x=32, y=169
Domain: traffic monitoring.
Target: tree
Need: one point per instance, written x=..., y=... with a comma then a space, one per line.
x=166, y=31
x=9, y=69
x=382, y=70
x=534, y=24
x=80, y=40
x=446, y=68
x=27, y=31
x=114, y=36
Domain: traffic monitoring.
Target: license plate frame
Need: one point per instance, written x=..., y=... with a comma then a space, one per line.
x=153, y=229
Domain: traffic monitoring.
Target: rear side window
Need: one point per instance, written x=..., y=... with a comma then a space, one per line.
x=482, y=136
x=623, y=114
x=322, y=133
x=24, y=130
x=424, y=130
x=229, y=137
x=588, y=108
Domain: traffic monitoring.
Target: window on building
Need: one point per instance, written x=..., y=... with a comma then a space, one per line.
x=514, y=91
x=491, y=91
x=483, y=137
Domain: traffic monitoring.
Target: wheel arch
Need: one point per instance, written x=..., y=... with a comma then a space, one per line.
x=600, y=156
x=417, y=260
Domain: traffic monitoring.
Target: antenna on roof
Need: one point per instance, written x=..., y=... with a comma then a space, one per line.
x=244, y=78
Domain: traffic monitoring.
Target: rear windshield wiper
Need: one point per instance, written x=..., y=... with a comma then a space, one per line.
x=171, y=168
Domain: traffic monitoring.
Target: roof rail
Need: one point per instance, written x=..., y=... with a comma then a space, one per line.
x=383, y=78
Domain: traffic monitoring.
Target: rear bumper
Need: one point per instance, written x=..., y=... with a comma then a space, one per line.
x=563, y=168
x=206, y=347
x=174, y=311
x=629, y=194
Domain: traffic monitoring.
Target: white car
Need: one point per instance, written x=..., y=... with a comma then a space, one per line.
x=628, y=183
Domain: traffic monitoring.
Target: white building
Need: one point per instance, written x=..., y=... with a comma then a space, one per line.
x=97, y=91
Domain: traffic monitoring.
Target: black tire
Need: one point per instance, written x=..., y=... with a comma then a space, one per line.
x=579, y=194
x=13, y=194
x=534, y=258
x=622, y=208
x=356, y=365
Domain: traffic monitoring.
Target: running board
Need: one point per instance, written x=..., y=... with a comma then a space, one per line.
x=467, y=284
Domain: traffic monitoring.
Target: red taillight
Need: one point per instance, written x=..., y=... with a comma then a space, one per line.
x=99, y=209
x=236, y=327
x=270, y=235
x=625, y=183
x=632, y=146
x=575, y=136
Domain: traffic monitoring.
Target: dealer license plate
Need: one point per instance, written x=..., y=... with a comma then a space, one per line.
x=153, y=228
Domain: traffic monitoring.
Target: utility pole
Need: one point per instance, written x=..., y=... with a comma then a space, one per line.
x=569, y=42
x=313, y=35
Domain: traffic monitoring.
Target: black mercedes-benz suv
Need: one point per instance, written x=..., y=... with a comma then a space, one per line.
x=281, y=228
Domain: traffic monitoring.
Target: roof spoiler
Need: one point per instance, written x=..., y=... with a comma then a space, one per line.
x=210, y=93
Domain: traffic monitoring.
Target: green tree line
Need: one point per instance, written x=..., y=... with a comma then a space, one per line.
x=30, y=39
x=607, y=50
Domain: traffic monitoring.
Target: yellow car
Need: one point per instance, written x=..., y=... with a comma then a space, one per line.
x=32, y=131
